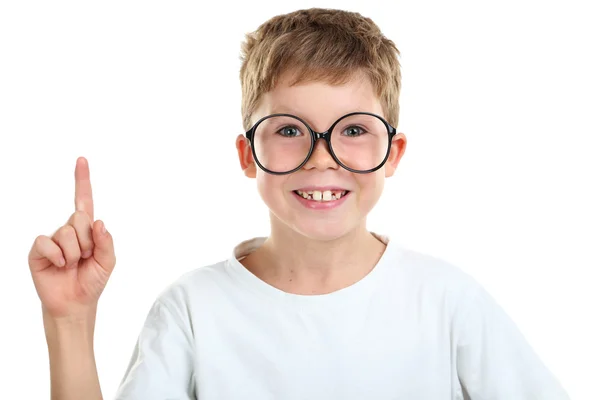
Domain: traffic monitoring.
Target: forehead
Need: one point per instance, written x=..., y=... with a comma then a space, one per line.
x=317, y=102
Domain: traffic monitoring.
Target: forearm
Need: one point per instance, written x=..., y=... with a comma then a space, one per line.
x=73, y=374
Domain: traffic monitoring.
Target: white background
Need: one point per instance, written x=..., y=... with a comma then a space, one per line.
x=500, y=105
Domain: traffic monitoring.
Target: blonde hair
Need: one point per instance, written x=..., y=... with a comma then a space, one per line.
x=319, y=45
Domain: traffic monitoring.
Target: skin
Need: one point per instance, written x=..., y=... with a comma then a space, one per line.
x=332, y=249
x=70, y=270
x=72, y=289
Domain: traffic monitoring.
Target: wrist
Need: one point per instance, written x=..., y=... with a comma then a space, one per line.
x=77, y=324
x=83, y=316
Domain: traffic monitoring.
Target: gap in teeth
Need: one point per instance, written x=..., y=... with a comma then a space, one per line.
x=317, y=195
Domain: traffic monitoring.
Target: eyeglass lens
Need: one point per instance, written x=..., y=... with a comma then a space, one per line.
x=359, y=142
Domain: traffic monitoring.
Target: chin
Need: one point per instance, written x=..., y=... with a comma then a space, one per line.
x=323, y=230
x=316, y=225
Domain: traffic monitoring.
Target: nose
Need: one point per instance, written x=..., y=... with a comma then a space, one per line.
x=321, y=158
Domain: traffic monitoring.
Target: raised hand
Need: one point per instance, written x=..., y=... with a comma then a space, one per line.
x=71, y=268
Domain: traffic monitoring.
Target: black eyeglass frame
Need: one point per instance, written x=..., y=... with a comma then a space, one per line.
x=318, y=135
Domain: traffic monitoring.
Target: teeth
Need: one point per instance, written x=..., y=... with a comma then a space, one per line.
x=317, y=195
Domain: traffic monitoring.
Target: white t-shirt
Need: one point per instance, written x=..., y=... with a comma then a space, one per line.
x=416, y=327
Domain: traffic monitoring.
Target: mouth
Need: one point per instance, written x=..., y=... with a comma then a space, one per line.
x=322, y=196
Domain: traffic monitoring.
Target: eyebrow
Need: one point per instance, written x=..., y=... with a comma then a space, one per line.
x=285, y=110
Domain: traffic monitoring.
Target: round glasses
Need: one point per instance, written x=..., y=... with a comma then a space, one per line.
x=283, y=143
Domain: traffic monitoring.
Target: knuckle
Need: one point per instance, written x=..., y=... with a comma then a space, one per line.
x=78, y=218
x=81, y=215
x=83, y=229
x=39, y=245
x=39, y=241
x=66, y=239
x=65, y=232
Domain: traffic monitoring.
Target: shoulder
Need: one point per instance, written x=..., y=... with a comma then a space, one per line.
x=193, y=287
x=427, y=281
x=427, y=269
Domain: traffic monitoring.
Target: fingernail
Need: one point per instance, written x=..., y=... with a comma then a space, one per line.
x=61, y=262
x=87, y=254
x=103, y=228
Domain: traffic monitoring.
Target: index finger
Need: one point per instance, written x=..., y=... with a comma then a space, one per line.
x=83, y=188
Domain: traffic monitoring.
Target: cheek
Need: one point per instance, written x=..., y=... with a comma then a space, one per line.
x=370, y=189
x=270, y=187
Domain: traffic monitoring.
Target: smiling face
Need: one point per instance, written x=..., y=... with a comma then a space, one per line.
x=322, y=200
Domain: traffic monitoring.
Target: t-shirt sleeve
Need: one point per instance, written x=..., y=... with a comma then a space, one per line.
x=162, y=364
x=494, y=361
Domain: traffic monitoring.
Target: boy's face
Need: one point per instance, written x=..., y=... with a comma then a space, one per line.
x=320, y=104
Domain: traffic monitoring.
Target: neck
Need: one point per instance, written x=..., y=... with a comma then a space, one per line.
x=298, y=264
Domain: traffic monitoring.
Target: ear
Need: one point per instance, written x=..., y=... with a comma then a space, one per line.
x=245, y=155
x=396, y=152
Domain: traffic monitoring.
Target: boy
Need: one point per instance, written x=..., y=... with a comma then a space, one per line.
x=322, y=308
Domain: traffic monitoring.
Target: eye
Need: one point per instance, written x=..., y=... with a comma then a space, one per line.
x=289, y=131
x=353, y=131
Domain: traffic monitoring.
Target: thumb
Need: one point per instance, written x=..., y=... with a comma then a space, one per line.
x=104, y=250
